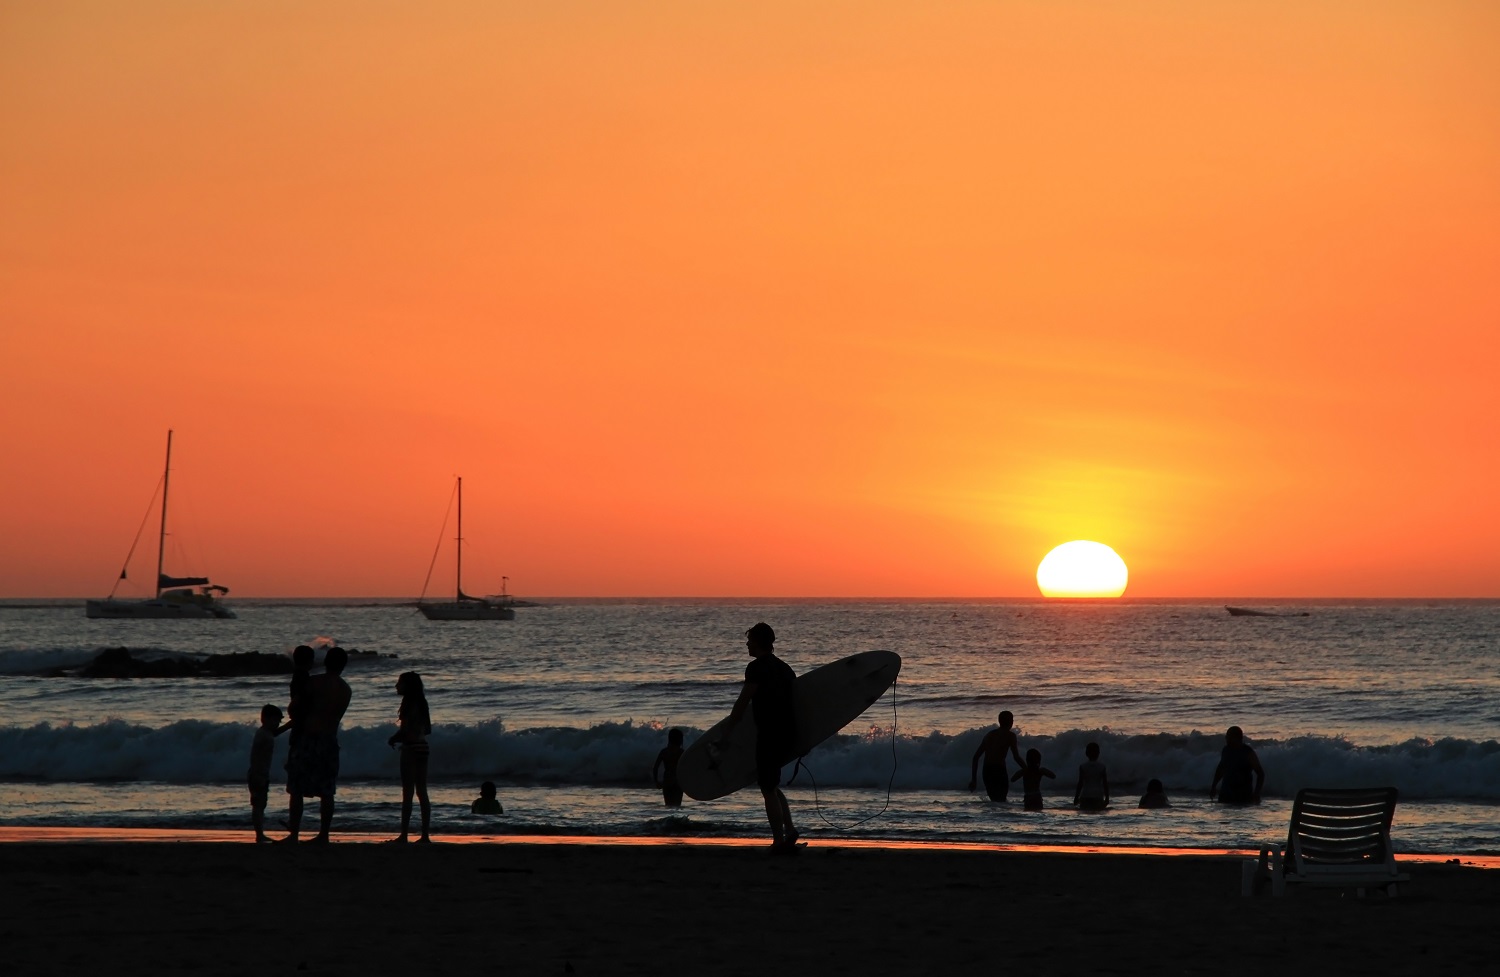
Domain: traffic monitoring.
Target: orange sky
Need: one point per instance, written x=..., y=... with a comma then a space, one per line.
x=831, y=299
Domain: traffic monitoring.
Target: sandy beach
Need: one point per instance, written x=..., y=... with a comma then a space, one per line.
x=137, y=907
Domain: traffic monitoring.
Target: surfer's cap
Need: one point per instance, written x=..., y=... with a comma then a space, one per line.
x=762, y=633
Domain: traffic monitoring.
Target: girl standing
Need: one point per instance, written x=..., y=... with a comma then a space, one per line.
x=413, y=724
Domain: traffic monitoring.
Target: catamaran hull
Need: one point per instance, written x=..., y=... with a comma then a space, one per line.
x=154, y=609
x=467, y=611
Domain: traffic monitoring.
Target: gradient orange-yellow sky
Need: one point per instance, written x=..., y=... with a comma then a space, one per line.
x=826, y=299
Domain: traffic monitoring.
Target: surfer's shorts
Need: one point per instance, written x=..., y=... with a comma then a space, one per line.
x=260, y=790
x=770, y=757
x=996, y=783
x=312, y=766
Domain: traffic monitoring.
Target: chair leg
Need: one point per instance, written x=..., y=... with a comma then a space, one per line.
x=1249, y=876
x=1278, y=873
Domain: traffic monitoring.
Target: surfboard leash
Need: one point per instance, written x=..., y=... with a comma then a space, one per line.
x=889, y=784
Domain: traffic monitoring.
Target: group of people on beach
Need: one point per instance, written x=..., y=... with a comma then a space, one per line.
x=318, y=704
x=313, y=713
x=1239, y=771
x=316, y=707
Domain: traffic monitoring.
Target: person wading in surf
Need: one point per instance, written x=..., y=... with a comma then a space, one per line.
x=993, y=748
x=768, y=694
x=1237, y=765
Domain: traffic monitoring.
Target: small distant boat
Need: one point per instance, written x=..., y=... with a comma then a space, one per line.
x=498, y=607
x=175, y=597
x=1256, y=612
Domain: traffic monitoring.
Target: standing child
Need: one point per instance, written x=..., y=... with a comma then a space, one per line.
x=413, y=724
x=1092, y=793
x=259, y=776
x=666, y=762
x=1031, y=779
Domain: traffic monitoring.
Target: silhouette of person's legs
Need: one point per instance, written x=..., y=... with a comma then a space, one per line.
x=325, y=818
x=294, y=817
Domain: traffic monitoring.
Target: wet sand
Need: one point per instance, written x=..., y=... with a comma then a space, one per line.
x=140, y=907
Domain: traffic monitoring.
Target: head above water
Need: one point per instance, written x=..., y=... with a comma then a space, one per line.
x=1091, y=751
x=1234, y=735
x=302, y=657
x=1155, y=787
x=1006, y=719
x=761, y=638
x=487, y=789
x=270, y=715
x=1033, y=758
x=335, y=660
x=409, y=683
x=675, y=737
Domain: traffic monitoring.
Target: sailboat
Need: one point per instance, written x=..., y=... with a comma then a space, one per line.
x=463, y=607
x=174, y=597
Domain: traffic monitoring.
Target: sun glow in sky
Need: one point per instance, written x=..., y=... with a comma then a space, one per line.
x=824, y=299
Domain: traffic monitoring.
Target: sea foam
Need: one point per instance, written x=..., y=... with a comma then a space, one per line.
x=622, y=754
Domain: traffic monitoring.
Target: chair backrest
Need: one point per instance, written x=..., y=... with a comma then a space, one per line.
x=1337, y=827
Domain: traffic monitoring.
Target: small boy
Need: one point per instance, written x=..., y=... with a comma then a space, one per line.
x=666, y=762
x=1092, y=793
x=486, y=802
x=259, y=776
x=1031, y=779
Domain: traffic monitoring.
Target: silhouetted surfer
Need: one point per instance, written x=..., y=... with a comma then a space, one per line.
x=1237, y=763
x=768, y=693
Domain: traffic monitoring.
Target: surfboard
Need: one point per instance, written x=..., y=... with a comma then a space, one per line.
x=827, y=699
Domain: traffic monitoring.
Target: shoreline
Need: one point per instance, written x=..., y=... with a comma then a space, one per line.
x=23, y=835
x=129, y=907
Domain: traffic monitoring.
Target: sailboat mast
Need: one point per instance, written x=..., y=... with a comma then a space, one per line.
x=161, y=540
x=458, y=580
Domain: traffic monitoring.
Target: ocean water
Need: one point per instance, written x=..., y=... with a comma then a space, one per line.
x=566, y=707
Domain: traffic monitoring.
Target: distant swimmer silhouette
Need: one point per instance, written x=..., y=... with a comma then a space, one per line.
x=994, y=746
x=1155, y=796
x=1031, y=779
x=486, y=802
x=1237, y=765
x=666, y=762
x=1092, y=792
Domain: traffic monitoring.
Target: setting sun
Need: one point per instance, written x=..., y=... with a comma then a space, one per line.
x=1082, y=569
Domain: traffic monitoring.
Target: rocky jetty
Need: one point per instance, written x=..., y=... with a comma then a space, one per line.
x=122, y=663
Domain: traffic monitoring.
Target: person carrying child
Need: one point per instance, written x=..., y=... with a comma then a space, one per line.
x=1031, y=779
